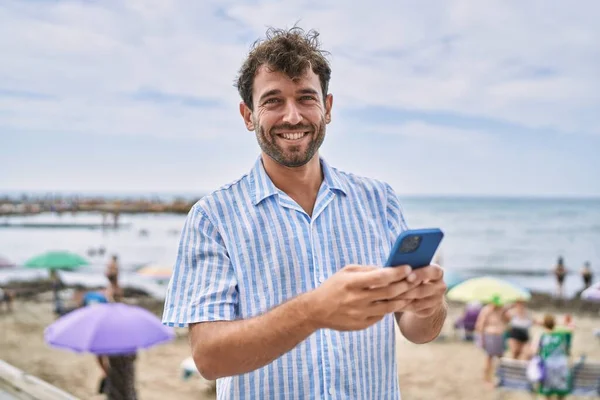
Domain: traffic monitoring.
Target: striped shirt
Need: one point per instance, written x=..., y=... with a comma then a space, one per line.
x=249, y=247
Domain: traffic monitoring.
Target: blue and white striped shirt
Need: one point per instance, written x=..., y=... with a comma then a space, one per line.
x=249, y=247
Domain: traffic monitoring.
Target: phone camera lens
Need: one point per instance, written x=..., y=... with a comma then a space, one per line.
x=410, y=244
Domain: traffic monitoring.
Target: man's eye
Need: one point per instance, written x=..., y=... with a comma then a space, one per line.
x=307, y=98
x=272, y=101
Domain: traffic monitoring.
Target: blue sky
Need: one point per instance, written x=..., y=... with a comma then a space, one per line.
x=438, y=97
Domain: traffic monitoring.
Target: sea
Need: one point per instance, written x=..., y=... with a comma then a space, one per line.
x=518, y=239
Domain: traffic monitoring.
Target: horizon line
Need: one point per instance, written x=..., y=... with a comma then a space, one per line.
x=10, y=193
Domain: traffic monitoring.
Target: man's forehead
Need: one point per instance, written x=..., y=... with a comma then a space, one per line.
x=266, y=76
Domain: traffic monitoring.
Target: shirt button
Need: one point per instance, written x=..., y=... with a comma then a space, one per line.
x=331, y=391
x=321, y=279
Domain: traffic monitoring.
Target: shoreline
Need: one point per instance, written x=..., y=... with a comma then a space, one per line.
x=540, y=301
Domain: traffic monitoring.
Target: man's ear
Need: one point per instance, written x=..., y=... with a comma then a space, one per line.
x=328, y=106
x=246, y=113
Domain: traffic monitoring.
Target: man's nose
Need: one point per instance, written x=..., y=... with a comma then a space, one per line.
x=292, y=114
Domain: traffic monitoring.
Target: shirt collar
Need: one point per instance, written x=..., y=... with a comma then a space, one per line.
x=263, y=186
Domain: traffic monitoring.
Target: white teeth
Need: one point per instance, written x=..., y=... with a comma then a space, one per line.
x=293, y=135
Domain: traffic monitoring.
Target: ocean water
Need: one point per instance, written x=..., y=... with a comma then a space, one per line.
x=518, y=239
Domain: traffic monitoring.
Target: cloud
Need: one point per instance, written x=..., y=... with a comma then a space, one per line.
x=155, y=96
x=22, y=94
x=498, y=76
x=460, y=56
x=518, y=62
x=440, y=135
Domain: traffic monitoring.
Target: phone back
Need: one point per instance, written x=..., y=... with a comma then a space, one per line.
x=415, y=247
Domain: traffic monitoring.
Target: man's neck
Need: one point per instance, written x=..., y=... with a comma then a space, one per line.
x=298, y=183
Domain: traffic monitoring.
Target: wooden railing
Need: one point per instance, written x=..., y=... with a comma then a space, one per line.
x=22, y=386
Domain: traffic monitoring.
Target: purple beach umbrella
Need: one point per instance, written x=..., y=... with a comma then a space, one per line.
x=107, y=329
x=592, y=293
x=5, y=263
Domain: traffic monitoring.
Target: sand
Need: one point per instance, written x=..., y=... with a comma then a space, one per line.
x=447, y=368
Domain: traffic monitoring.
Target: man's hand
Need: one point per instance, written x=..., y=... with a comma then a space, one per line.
x=428, y=295
x=423, y=318
x=356, y=297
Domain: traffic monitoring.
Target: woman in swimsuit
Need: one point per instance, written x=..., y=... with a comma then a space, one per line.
x=560, y=271
x=518, y=334
x=587, y=275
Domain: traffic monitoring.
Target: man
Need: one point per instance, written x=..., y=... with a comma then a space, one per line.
x=490, y=327
x=279, y=273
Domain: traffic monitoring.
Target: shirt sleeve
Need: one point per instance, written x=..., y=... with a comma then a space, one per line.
x=203, y=286
x=395, y=215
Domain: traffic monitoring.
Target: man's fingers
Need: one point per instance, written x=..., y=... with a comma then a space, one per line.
x=387, y=307
x=426, y=312
x=425, y=290
x=392, y=291
x=359, y=268
x=423, y=304
x=380, y=277
x=427, y=274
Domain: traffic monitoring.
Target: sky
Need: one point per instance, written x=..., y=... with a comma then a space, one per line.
x=494, y=98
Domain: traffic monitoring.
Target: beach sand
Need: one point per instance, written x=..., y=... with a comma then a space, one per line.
x=447, y=368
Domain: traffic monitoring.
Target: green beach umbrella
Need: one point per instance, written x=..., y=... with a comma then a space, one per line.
x=56, y=260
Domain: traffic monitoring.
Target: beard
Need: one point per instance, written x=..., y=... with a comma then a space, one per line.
x=291, y=156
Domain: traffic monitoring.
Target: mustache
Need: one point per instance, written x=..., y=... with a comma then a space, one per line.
x=290, y=127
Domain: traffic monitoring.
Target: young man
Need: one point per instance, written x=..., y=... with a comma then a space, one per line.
x=279, y=273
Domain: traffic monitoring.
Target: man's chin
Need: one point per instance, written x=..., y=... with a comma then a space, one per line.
x=294, y=162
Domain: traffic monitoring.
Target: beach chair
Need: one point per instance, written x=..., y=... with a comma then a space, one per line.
x=586, y=378
x=512, y=376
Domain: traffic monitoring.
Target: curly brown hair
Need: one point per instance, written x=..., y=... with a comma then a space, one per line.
x=290, y=51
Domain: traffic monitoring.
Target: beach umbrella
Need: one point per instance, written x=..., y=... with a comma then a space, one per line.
x=56, y=260
x=486, y=289
x=5, y=263
x=107, y=329
x=157, y=271
x=592, y=293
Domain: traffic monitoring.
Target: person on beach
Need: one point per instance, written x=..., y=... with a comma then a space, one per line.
x=568, y=323
x=560, y=272
x=6, y=299
x=112, y=270
x=118, y=382
x=553, y=349
x=279, y=274
x=587, y=275
x=520, y=321
x=57, y=286
x=490, y=328
x=114, y=293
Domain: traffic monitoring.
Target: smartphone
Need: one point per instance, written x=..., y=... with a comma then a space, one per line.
x=415, y=247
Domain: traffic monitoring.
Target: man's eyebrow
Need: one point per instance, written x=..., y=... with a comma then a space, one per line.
x=271, y=92
x=307, y=91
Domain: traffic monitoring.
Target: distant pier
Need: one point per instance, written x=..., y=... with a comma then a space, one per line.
x=108, y=208
x=58, y=225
